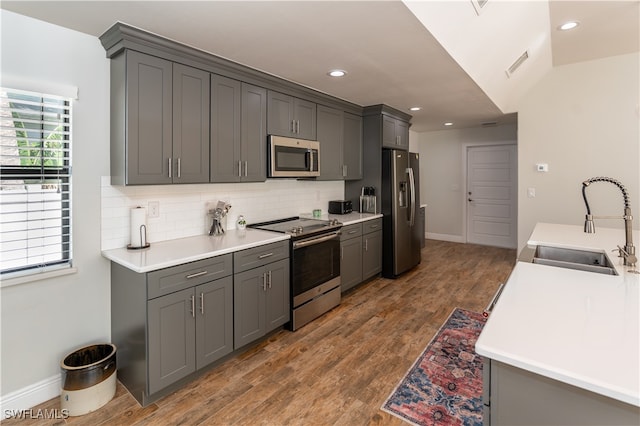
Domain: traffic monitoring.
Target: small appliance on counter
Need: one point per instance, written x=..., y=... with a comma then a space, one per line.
x=340, y=207
x=368, y=200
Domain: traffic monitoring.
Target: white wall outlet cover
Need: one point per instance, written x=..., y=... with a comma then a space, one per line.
x=542, y=167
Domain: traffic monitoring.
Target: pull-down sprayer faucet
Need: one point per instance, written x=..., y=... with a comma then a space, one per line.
x=629, y=251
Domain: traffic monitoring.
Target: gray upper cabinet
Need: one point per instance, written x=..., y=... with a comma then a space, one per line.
x=238, y=131
x=190, y=154
x=395, y=133
x=352, y=146
x=330, y=134
x=159, y=121
x=141, y=119
x=290, y=116
x=340, y=137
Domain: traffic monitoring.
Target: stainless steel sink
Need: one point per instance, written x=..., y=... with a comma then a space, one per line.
x=582, y=260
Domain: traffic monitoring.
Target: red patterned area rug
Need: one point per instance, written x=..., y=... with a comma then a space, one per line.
x=444, y=385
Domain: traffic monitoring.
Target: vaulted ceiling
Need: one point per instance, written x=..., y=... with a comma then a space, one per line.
x=448, y=57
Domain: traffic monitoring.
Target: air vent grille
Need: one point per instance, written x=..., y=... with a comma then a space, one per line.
x=517, y=63
x=489, y=124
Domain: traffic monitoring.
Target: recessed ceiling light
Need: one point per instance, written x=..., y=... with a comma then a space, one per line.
x=415, y=108
x=569, y=25
x=337, y=73
x=448, y=123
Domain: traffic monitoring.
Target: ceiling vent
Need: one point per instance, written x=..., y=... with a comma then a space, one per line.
x=489, y=124
x=517, y=63
x=479, y=4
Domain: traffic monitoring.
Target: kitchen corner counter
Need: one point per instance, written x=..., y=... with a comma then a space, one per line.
x=354, y=217
x=165, y=254
x=576, y=327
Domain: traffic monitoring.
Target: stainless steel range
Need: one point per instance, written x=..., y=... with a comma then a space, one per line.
x=315, y=265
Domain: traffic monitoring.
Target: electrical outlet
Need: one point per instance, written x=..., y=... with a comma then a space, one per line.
x=154, y=209
x=531, y=192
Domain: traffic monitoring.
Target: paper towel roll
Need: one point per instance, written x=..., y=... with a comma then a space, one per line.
x=138, y=220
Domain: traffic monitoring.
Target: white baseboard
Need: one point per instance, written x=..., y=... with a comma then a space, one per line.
x=32, y=395
x=445, y=237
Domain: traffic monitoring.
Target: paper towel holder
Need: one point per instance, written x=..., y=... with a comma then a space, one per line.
x=143, y=238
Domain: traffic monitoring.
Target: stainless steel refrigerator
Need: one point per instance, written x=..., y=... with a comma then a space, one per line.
x=401, y=210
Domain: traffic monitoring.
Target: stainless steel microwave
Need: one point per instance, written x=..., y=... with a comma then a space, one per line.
x=293, y=158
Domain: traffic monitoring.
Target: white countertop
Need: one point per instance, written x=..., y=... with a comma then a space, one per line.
x=165, y=254
x=354, y=217
x=576, y=327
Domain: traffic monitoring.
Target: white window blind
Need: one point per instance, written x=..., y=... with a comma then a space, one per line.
x=35, y=182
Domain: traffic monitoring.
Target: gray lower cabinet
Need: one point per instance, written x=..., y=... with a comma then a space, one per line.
x=238, y=131
x=360, y=252
x=169, y=323
x=518, y=397
x=188, y=330
x=351, y=256
x=261, y=301
x=372, y=248
x=290, y=116
x=340, y=137
x=159, y=121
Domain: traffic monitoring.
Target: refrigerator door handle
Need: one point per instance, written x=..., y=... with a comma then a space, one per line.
x=412, y=198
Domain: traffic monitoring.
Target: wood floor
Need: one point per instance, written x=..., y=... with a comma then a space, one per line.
x=337, y=370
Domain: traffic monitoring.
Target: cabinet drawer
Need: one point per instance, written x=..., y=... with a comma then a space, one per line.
x=372, y=225
x=350, y=231
x=168, y=280
x=258, y=256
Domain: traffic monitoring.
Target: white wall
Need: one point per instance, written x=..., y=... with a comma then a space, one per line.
x=583, y=120
x=442, y=171
x=43, y=320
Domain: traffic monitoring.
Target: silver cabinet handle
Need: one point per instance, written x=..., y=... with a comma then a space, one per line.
x=170, y=165
x=366, y=245
x=193, y=306
x=264, y=281
x=344, y=170
x=179, y=168
x=246, y=168
x=239, y=168
x=269, y=277
x=374, y=226
x=293, y=126
x=353, y=231
x=201, y=303
x=264, y=256
x=197, y=274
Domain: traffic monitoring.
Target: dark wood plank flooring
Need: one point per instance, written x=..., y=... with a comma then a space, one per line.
x=337, y=370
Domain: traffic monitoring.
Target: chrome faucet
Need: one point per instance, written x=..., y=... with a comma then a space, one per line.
x=629, y=251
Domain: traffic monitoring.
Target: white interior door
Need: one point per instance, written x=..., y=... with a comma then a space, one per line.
x=492, y=195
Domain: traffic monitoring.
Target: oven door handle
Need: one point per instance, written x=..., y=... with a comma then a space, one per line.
x=312, y=241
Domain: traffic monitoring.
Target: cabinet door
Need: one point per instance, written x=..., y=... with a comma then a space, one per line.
x=249, y=289
x=351, y=263
x=372, y=254
x=226, y=102
x=330, y=129
x=279, y=114
x=389, y=139
x=402, y=133
x=278, y=309
x=190, y=125
x=351, y=146
x=172, y=338
x=305, y=116
x=149, y=119
x=254, y=134
x=214, y=321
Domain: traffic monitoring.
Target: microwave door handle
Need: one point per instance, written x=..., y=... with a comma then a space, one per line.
x=309, y=160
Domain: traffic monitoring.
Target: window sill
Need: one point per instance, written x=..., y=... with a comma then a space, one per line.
x=37, y=276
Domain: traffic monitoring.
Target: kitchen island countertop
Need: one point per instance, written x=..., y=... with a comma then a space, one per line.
x=576, y=327
x=165, y=254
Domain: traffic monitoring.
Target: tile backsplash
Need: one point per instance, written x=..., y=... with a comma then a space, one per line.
x=183, y=208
